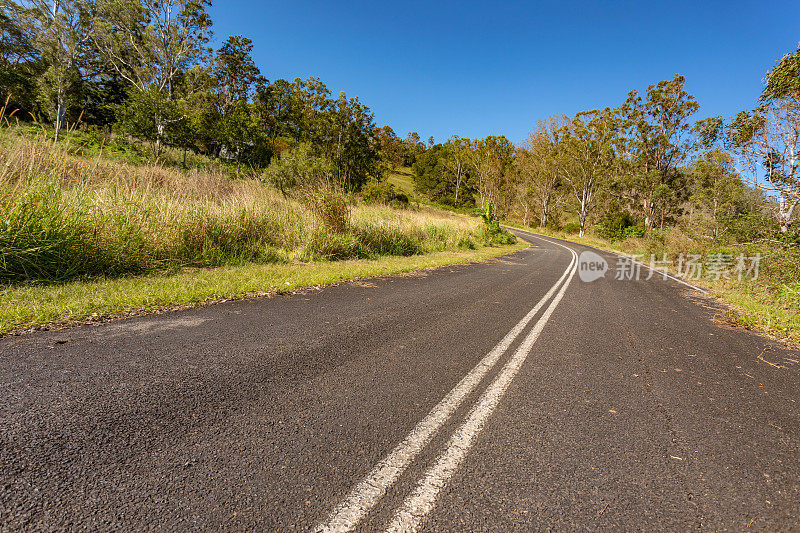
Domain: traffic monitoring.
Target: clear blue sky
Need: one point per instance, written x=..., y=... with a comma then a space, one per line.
x=481, y=68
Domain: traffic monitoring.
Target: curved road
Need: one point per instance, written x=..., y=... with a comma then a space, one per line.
x=496, y=396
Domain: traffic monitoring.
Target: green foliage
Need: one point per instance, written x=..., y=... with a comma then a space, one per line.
x=618, y=225
x=783, y=80
x=383, y=192
x=299, y=168
x=492, y=232
x=442, y=174
x=41, y=240
x=63, y=217
x=747, y=227
x=151, y=116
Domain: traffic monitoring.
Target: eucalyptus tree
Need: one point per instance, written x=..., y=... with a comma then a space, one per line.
x=349, y=134
x=717, y=188
x=657, y=141
x=491, y=162
x=768, y=137
x=311, y=107
x=456, y=162
x=589, y=140
x=149, y=43
x=59, y=31
x=236, y=76
x=431, y=175
x=538, y=163
x=235, y=71
x=274, y=107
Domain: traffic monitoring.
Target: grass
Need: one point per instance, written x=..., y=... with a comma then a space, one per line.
x=64, y=217
x=769, y=304
x=29, y=306
x=403, y=180
x=83, y=234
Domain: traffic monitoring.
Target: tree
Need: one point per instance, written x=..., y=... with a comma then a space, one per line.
x=456, y=162
x=589, y=140
x=538, y=163
x=274, y=107
x=236, y=75
x=491, y=160
x=61, y=31
x=235, y=71
x=149, y=43
x=197, y=127
x=768, y=138
x=20, y=59
x=657, y=142
x=311, y=111
x=238, y=132
x=442, y=173
x=349, y=137
x=299, y=167
x=718, y=188
x=151, y=116
x=412, y=147
x=390, y=147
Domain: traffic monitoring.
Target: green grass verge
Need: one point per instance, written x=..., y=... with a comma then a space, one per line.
x=28, y=306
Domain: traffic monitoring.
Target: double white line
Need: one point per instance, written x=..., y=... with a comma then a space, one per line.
x=421, y=501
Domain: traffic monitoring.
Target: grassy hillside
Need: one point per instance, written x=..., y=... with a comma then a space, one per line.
x=403, y=180
x=71, y=221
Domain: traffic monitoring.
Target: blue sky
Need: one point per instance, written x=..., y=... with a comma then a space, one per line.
x=487, y=68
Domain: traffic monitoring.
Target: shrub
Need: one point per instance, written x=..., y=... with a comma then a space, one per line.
x=748, y=227
x=331, y=209
x=298, y=167
x=572, y=227
x=636, y=232
x=618, y=225
x=382, y=192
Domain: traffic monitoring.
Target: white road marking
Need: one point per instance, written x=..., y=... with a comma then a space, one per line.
x=368, y=492
x=667, y=274
x=422, y=500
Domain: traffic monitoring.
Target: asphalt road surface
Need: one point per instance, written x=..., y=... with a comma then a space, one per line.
x=507, y=395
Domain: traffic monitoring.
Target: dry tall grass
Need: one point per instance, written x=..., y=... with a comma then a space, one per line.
x=63, y=216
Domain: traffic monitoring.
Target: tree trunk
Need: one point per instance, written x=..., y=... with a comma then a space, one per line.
x=458, y=183
x=159, y=136
x=583, y=218
x=545, y=198
x=61, y=114
x=785, y=210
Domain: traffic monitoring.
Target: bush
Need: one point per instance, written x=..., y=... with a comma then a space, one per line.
x=298, y=168
x=572, y=227
x=749, y=227
x=330, y=208
x=619, y=225
x=635, y=232
x=382, y=192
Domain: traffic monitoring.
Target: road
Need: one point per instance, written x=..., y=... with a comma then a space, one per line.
x=507, y=395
